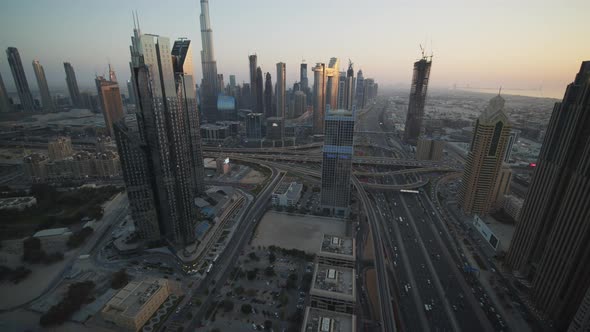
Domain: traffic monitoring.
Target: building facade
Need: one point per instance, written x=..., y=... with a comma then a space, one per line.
x=337, y=157
x=110, y=100
x=73, y=85
x=484, y=160
x=209, y=84
x=5, y=105
x=332, y=80
x=60, y=148
x=319, y=97
x=46, y=101
x=20, y=80
x=254, y=125
x=281, y=90
x=299, y=103
x=417, y=101
x=550, y=244
x=428, y=149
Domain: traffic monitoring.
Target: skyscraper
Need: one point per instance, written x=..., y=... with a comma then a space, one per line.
x=484, y=161
x=281, y=86
x=252, y=65
x=20, y=80
x=169, y=133
x=417, y=99
x=46, y=100
x=303, y=77
x=73, y=85
x=268, y=104
x=319, y=97
x=337, y=162
x=209, y=84
x=110, y=100
x=259, y=94
x=4, y=101
x=550, y=244
x=341, y=87
x=332, y=73
x=348, y=92
x=299, y=103
x=360, y=89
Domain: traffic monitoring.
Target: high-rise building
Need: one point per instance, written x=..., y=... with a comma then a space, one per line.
x=360, y=89
x=348, y=92
x=110, y=100
x=60, y=148
x=428, y=149
x=46, y=100
x=209, y=84
x=254, y=125
x=169, y=136
x=259, y=93
x=581, y=321
x=484, y=161
x=303, y=77
x=252, y=65
x=268, y=104
x=20, y=80
x=299, y=103
x=513, y=139
x=341, y=87
x=281, y=90
x=232, y=81
x=337, y=162
x=550, y=244
x=5, y=105
x=332, y=74
x=73, y=85
x=502, y=187
x=417, y=100
x=131, y=96
x=319, y=97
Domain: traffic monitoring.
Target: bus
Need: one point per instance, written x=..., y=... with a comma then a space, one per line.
x=215, y=259
x=409, y=191
x=401, y=219
x=209, y=268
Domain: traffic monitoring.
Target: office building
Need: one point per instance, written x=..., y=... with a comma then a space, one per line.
x=287, y=194
x=337, y=162
x=341, y=87
x=131, y=307
x=417, y=100
x=275, y=127
x=258, y=91
x=512, y=140
x=299, y=103
x=484, y=161
x=337, y=251
x=281, y=90
x=252, y=66
x=110, y=100
x=232, y=81
x=429, y=149
x=360, y=89
x=20, y=80
x=254, y=125
x=319, y=97
x=332, y=79
x=348, y=92
x=60, y=148
x=73, y=85
x=325, y=320
x=333, y=288
x=550, y=244
x=46, y=101
x=209, y=84
x=268, y=104
x=303, y=77
x=5, y=105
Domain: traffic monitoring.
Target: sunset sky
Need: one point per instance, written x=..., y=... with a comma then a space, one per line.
x=521, y=44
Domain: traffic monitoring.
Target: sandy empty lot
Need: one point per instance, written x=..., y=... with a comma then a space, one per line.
x=296, y=232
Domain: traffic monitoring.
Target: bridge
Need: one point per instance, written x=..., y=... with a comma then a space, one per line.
x=407, y=171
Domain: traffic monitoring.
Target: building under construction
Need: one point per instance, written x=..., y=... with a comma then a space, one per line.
x=417, y=99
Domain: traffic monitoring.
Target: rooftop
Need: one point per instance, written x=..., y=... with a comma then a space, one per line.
x=52, y=232
x=129, y=300
x=327, y=321
x=337, y=245
x=334, y=281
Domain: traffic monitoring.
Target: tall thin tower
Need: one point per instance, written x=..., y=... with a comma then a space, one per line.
x=73, y=85
x=417, y=99
x=4, y=102
x=281, y=89
x=209, y=85
x=20, y=79
x=46, y=100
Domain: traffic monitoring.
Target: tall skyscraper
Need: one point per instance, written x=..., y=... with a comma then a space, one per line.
x=332, y=73
x=550, y=245
x=303, y=77
x=281, y=90
x=232, y=81
x=484, y=161
x=268, y=104
x=417, y=99
x=20, y=80
x=110, y=100
x=299, y=103
x=259, y=93
x=319, y=97
x=46, y=100
x=360, y=89
x=337, y=157
x=169, y=132
x=4, y=101
x=341, y=87
x=252, y=65
x=348, y=92
x=73, y=85
x=209, y=84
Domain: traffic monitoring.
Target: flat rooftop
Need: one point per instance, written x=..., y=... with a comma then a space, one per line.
x=338, y=245
x=52, y=232
x=334, y=281
x=327, y=321
x=129, y=300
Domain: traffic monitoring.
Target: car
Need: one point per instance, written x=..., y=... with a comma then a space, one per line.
x=254, y=327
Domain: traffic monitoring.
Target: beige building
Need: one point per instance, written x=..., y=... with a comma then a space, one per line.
x=428, y=149
x=60, y=148
x=110, y=100
x=133, y=305
x=502, y=187
x=484, y=161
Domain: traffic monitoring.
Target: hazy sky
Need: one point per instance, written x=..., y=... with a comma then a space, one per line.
x=517, y=44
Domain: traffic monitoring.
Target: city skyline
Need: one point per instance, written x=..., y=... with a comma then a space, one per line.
x=465, y=51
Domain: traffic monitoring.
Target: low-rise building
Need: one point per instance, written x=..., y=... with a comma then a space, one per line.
x=333, y=288
x=53, y=239
x=17, y=203
x=212, y=133
x=133, y=305
x=287, y=194
x=337, y=251
x=60, y=148
x=428, y=149
x=318, y=320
